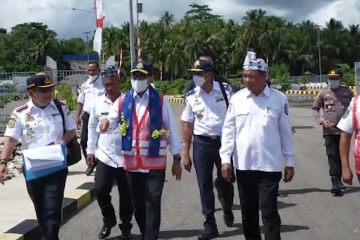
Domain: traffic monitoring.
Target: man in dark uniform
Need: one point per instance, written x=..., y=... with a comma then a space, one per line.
x=203, y=117
x=334, y=100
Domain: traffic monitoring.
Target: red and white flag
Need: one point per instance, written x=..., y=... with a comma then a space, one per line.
x=100, y=17
x=120, y=60
x=138, y=46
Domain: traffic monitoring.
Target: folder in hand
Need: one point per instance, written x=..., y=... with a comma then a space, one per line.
x=42, y=158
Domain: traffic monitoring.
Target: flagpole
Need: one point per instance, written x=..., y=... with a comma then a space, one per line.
x=131, y=32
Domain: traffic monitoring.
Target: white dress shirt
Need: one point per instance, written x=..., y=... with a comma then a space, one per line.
x=140, y=104
x=37, y=127
x=257, y=130
x=89, y=90
x=106, y=145
x=206, y=111
x=346, y=122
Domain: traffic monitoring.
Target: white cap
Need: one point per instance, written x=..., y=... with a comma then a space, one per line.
x=253, y=63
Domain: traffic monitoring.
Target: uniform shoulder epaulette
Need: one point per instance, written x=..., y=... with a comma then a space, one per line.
x=188, y=93
x=21, y=108
x=63, y=102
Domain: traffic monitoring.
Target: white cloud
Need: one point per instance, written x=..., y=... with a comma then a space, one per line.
x=68, y=23
x=348, y=12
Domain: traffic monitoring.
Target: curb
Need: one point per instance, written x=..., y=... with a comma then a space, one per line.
x=175, y=100
x=74, y=200
x=304, y=92
x=318, y=88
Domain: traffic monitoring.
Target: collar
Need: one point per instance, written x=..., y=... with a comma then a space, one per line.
x=266, y=92
x=145, y=94
x=95, y=80
x=31, y=105
x=216, y=87
x=106, y=99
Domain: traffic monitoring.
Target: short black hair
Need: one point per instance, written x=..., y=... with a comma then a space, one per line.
x=95, y=63
x=206, y=53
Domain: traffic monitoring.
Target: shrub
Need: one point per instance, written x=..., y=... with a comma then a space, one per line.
x=67, y=95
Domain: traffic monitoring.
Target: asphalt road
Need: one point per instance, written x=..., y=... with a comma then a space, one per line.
x=308, y=210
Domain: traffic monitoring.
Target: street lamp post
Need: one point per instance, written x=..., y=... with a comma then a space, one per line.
x=131, y=32
x=87, y=44
x=319, y=51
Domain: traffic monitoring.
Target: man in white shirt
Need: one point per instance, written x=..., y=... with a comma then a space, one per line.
x=89, y=90
x=106, y=147
x=257, y=133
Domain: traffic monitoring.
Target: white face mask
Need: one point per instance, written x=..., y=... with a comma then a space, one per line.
x=39, y=102
x=139, y=85
x=199, y=81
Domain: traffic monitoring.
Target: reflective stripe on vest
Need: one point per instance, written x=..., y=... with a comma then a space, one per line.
x=138, y=157
x=357, y=136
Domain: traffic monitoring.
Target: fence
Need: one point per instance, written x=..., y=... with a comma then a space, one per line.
x=13, y=85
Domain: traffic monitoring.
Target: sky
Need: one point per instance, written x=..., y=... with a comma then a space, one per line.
x=69, y=23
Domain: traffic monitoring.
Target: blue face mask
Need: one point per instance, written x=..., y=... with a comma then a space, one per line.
x=334, y=83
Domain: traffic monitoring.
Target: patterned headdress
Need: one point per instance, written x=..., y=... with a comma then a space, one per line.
x=253, y=63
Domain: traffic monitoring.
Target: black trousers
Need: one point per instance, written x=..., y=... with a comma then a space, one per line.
x=146, y=192
x=206, y=156
x=104, y=179
x=84, y=132
x=332, y=143
x=258, y=190
x=47, y=194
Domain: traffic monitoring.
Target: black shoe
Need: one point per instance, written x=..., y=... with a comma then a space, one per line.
x=105, y=232
x=341, y=184
x=209, y=235
x=335, y=189
x=228, y=218
x=125, y=231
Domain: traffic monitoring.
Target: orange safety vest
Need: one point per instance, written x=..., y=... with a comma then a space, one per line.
x=138, y=157
x=357, y=136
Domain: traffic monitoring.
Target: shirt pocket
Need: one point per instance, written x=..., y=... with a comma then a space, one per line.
x=241, y=117
x=269, y=116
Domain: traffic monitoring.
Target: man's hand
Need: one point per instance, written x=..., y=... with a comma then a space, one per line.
x=347, y=176
x=226, y=171
x=60, y=141
x=186, y=161
x=288, y=174
x=176, y=170
x=3, y=173
x=78, y=122
x=90, y=158
x=327, y=124
x=104, y=125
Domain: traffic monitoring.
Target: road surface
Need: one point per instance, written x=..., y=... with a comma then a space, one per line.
x=308, y=210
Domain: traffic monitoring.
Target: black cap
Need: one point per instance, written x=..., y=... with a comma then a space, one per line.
x=144, y=67
x=201, y=66
x=336, y=72
x=41, y=81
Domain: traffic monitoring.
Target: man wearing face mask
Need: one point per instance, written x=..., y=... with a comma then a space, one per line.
x=39, y=123
x=334, y=100
x=203, y=117
x=206, y=56
x=89, y=90
x=147, y=126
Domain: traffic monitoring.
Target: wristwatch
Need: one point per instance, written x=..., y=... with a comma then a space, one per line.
x=177, y=157
x=3, y=162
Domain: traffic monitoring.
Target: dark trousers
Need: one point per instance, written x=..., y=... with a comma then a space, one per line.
x=104, y=179
x=332, y=143
x=258, y=190
x=47, y=194
x=84, y=132
x=206, y=155
x=146, y=192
